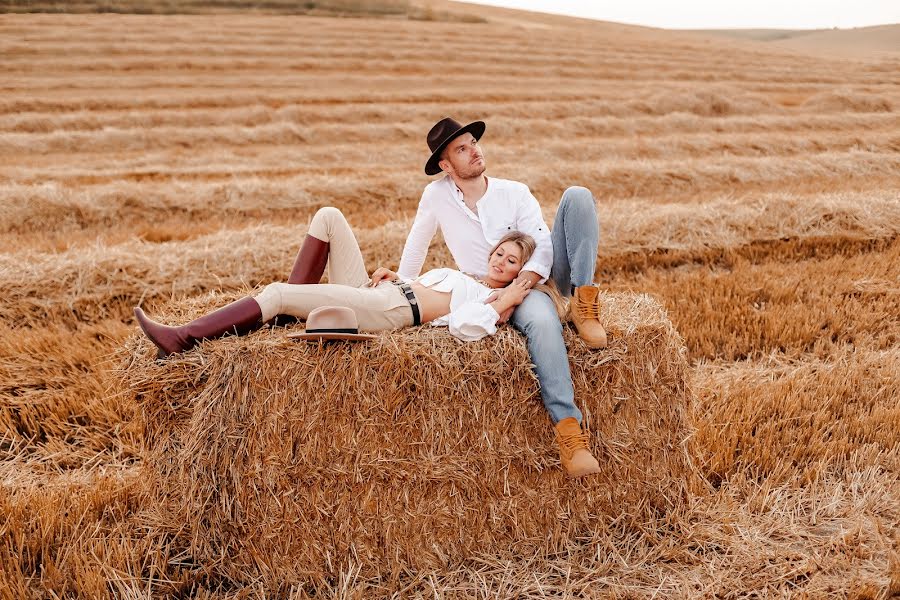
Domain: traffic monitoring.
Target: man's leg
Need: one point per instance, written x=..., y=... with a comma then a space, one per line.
x=536, y=318
x=576, y=237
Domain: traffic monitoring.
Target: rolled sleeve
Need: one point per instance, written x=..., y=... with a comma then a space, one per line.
x=531, y=221
x=473, y=321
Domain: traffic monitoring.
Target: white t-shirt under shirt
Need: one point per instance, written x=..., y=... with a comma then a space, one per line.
x=506, y=206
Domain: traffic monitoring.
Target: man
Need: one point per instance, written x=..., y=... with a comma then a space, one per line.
x=473, y=213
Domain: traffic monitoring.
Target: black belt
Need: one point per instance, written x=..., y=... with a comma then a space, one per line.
x=413, y=303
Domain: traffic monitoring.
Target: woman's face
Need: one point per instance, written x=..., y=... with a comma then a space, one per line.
x=505, y=262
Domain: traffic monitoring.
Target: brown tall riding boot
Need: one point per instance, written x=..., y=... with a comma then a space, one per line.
x=240, y=317
x=310, y=262
x=585, y=310
x=574, y=455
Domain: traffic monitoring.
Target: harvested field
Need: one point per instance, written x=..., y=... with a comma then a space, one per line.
x=175, y=160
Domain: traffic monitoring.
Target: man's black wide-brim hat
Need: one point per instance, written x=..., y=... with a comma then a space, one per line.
x=444, y=132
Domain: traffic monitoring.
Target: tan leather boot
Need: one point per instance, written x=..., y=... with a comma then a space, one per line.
x=585, y=311
x=574, y=455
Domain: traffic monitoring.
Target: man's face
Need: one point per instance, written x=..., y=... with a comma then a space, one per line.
x=463, y=158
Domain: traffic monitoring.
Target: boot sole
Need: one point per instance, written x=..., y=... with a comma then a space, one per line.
x=595, y=345
x=581, y=474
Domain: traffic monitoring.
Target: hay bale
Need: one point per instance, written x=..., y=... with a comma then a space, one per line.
x=281, y=460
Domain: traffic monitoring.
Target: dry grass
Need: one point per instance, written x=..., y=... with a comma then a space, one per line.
x=792, y=306
x=175, y=160
x=424, y=453
x=746, y=539
x=783, y=419
x=85, y=285
x=57, y=410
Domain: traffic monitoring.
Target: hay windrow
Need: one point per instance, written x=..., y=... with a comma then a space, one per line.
x=815, y=305
x=784, y=419
x=409, y=449
x=106, y=281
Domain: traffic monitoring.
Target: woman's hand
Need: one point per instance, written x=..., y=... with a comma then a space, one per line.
x=516, y=291
x=382, y=274
x=508, y=298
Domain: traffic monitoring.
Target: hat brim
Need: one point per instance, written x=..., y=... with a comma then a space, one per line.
x=476, y=128
x=313, y=337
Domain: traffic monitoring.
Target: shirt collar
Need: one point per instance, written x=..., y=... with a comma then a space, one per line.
x=459, y=193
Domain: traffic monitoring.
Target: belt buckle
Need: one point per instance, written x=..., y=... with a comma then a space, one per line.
x=407, y=291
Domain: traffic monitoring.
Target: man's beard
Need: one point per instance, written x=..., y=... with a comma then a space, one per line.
x=472, y=171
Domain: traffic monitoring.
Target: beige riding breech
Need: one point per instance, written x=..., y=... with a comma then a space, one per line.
x=377, y=309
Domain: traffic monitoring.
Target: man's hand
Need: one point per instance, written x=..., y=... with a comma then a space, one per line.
x=382, y=274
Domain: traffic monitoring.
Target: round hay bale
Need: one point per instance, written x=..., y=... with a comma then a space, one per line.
x=279, y=459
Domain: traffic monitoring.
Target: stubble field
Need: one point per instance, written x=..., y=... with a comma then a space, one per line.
x=754, y=191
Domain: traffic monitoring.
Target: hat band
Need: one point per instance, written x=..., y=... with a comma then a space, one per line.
x=348, y=330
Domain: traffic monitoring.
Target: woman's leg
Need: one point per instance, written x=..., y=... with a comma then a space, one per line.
x=343, y=256
x=310, y=261
x=377, y=309
x=240, y=317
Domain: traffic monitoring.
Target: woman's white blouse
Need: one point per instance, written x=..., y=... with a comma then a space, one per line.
x=470, y=319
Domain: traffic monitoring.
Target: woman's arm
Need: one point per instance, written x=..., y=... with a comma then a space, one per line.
x=511, y=296
x=475, y=320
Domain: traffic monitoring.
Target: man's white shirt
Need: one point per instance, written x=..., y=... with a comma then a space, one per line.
x=505, y=207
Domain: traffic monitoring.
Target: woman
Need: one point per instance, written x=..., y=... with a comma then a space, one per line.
x=469, y=306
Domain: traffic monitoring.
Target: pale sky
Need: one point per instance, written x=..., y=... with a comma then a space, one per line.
x=717, y=14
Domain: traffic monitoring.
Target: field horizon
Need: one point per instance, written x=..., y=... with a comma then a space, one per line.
x=752, y=188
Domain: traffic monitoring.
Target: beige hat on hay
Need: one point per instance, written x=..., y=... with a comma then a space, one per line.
x=332, y=323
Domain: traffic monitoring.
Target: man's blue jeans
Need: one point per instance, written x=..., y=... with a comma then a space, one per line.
x=576, y=237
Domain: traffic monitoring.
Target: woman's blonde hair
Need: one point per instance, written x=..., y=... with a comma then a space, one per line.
x=524, y=241
x=527, y=245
